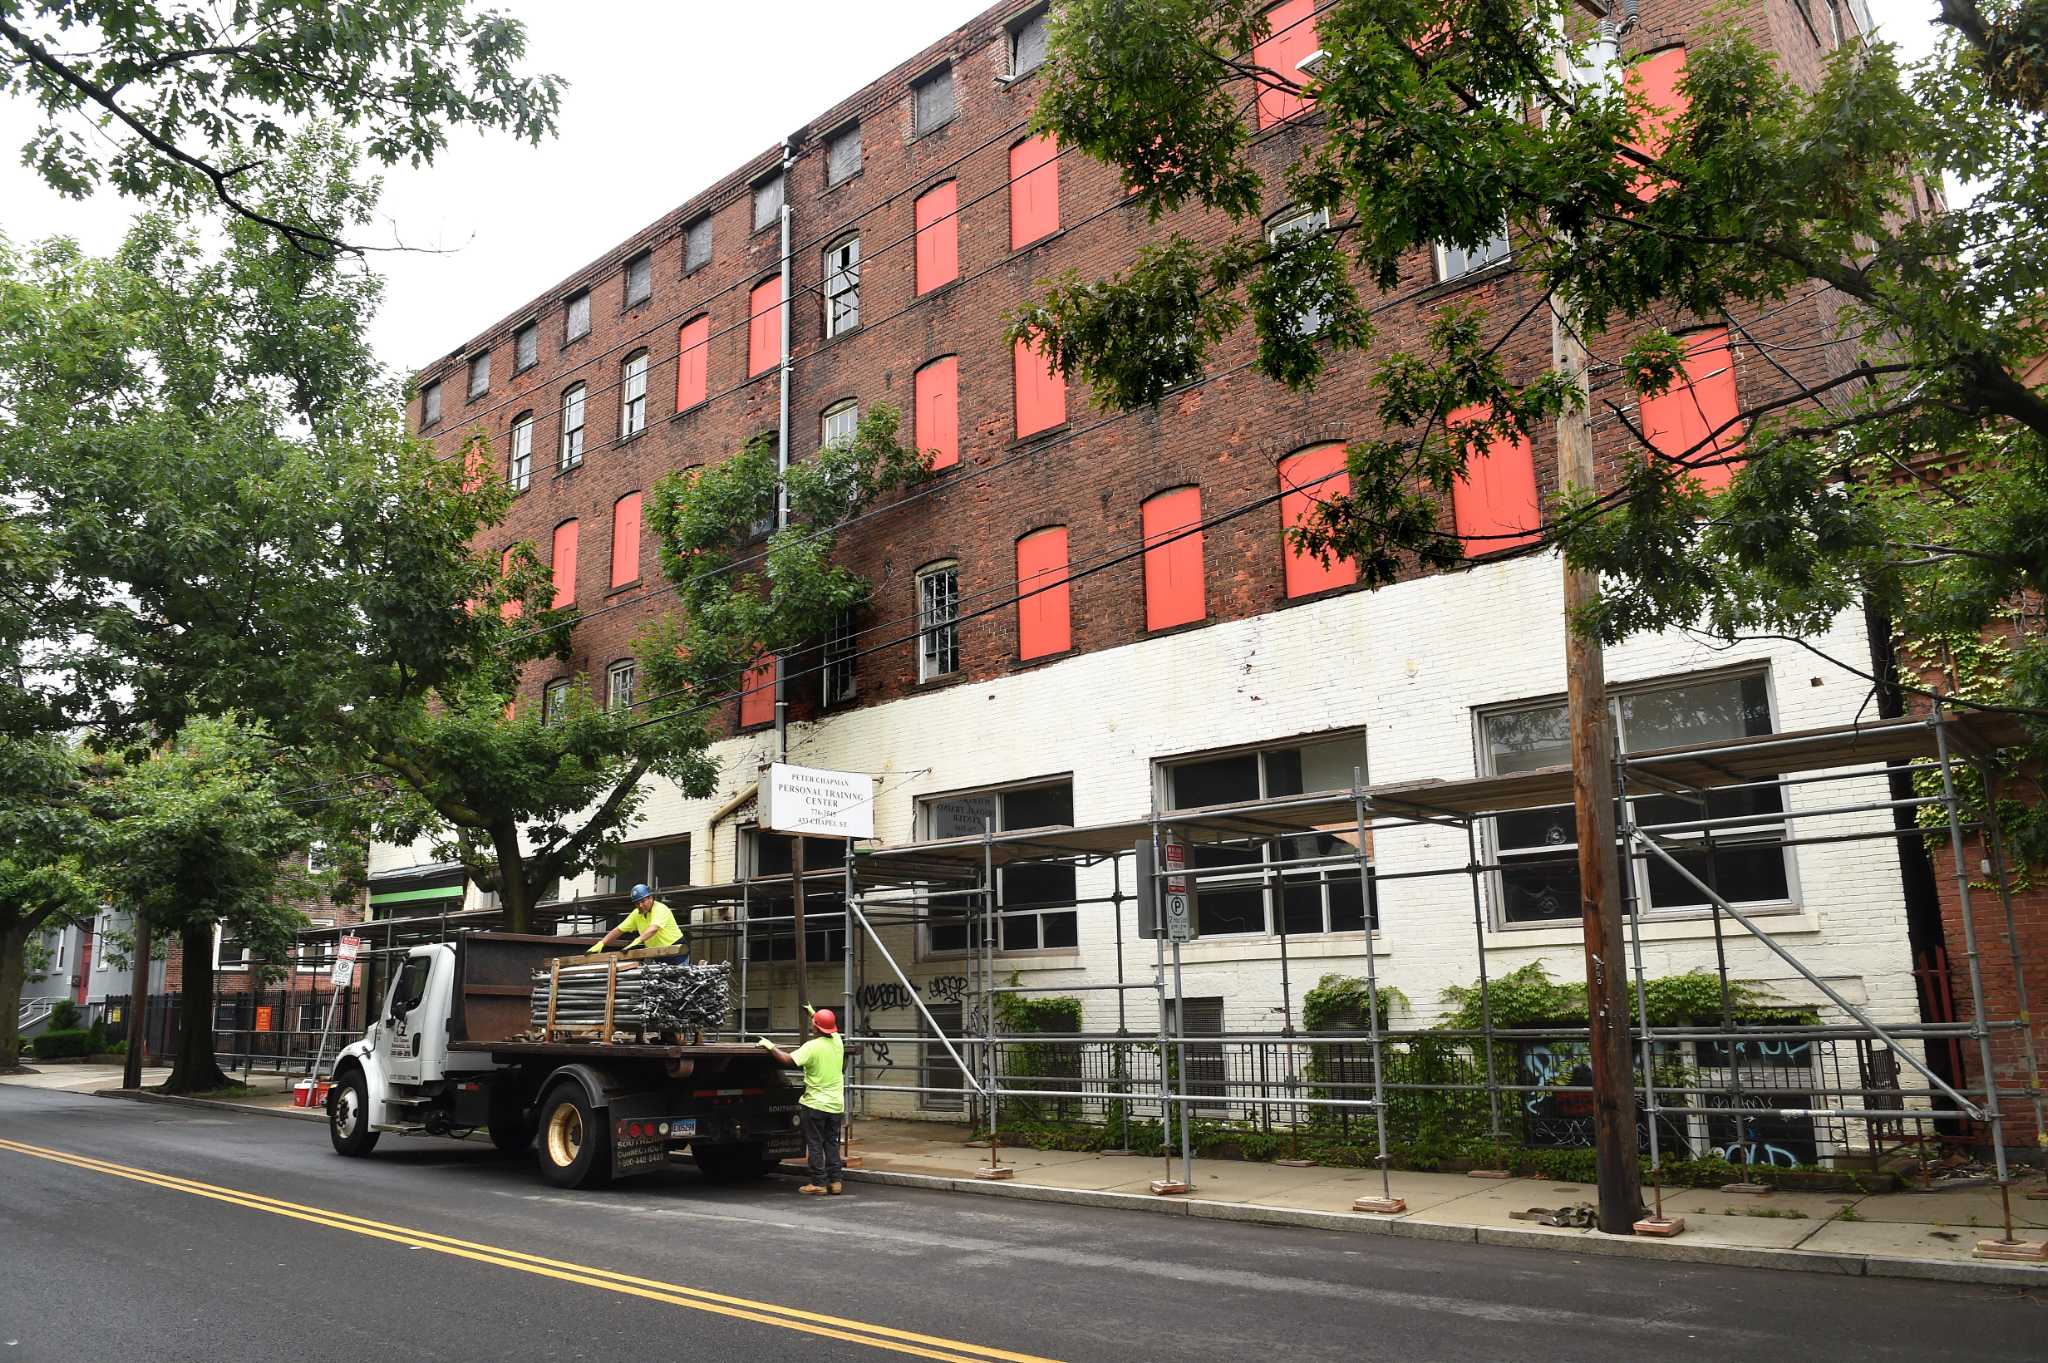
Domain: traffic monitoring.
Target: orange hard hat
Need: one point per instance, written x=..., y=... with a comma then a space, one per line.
x=825, y=1021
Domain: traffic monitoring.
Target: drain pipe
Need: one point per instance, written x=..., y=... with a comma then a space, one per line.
x=782, y=451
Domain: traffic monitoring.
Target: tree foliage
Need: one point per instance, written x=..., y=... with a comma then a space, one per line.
x=202, y=836
x=46, y=838
x=1907, y=470
x=181, y=104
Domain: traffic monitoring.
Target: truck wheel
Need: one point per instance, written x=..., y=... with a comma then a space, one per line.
x=572, y=1140
x=731, y=1163
x=348, y=1115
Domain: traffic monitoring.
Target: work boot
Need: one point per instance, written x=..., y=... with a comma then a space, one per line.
x=837, y=1187
x=812, y=1190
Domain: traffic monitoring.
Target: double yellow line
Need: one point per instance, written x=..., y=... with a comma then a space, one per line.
x=624, y=1284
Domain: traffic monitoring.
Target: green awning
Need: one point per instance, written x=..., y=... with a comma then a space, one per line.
x=414, y=896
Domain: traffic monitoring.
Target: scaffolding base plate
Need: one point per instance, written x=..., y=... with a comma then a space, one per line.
x=1167, y=1187
x=2020, y=1251
x=1488, y=1173
x=996, y=1171
x=1386, y=1206
x=1745, y=1187
x=1665, y=1227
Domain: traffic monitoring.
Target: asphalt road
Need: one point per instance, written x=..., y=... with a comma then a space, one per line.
x=142, y=1231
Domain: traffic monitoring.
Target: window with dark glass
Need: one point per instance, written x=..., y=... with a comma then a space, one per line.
x=1320, y=891
x=554, y=699
x=1538, y=880
x=771, y=927
x=1034, y=900
x=659, y=866
x=841, y=677
x=938, y=621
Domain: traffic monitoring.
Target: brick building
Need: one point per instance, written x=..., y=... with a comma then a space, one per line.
x=1220, y=666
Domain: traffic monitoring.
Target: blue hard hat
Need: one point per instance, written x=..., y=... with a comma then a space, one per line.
x=640, y=892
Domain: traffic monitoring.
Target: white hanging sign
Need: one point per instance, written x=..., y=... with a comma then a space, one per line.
x=829, y=804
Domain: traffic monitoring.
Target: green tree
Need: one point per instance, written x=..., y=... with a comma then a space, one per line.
x=201, y=835
x=523, y=799
x=180, y=103
x=1910, y=472
x=46, y=834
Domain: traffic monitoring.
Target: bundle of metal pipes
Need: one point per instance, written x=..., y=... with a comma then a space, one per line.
x=649, y=996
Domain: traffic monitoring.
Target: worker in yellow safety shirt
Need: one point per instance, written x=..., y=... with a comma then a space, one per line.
x=651, y=924
x=823, y=1106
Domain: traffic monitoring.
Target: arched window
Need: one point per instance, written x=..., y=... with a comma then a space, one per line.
x=693, y=349
x=519, y=469
x=938, y=236
x=937, y=411
x=563, y=563
x=1039, y=390
x=572, y=426
x=1307, y=478
x=626, y=539
x=1174, y=593
x=1044, y=595
x=1495, y=503
x=633, y=394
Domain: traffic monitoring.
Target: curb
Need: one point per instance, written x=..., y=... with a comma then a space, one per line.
x=1578, y=1242
x=297, y=1114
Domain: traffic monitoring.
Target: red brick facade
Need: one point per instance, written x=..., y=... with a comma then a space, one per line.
x=1224, y=435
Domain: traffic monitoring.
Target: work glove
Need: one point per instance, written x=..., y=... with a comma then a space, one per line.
x=766, y=1044
x=595, y=948
x=809, y=1011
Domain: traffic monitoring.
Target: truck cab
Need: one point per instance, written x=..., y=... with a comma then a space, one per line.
x=446, y=1055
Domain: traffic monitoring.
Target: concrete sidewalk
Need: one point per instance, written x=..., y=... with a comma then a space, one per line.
x=1914, y=1235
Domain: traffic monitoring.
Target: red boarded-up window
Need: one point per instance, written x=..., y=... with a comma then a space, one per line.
x=938, y=236
x=1307, y=478
x=472, y=469
x=1291, y=37
x=511, y=609
x=1034, y=190
x=693, y=367
x=626, y=539
x=1653, y=89
x=1494, y=503
x=757, y=693
x=564, y=562
x=1679, y=422
x=938, y=411
x=1044, y=614
x=1173, y=561
x=764, y=326
x=1041, y=392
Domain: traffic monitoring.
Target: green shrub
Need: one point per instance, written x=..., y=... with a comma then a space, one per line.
x=64, y=1016
x=59, y=1044
x=118, y=1048
x=98, y=1033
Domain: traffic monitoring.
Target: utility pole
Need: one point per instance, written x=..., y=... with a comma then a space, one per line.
x=1592, y=725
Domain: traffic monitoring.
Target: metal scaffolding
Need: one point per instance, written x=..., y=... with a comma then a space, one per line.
x=1750, y=1075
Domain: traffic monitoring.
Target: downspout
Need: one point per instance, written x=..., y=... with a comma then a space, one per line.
x=782, y=453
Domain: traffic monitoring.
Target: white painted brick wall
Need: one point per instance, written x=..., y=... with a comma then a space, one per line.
x=1409, y=664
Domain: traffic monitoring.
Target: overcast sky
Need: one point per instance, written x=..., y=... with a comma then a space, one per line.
x=662, y=99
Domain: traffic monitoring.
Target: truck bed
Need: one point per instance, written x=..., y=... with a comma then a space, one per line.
x=601, y=1050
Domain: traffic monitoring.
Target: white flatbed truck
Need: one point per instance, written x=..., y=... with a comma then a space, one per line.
x=443, y=1057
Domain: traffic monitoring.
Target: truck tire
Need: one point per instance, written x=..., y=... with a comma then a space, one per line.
x=348, y=1115
x=731, y=1163
x=574, y=1141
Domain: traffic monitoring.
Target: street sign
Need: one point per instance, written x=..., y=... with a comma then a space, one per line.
x=1180, y=909
x=831, y=804
x=345, y=961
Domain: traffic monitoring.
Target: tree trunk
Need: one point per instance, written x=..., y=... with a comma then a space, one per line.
x=138, y=1008
x=194, y=1070
x=13, y=964
x=515, y=895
